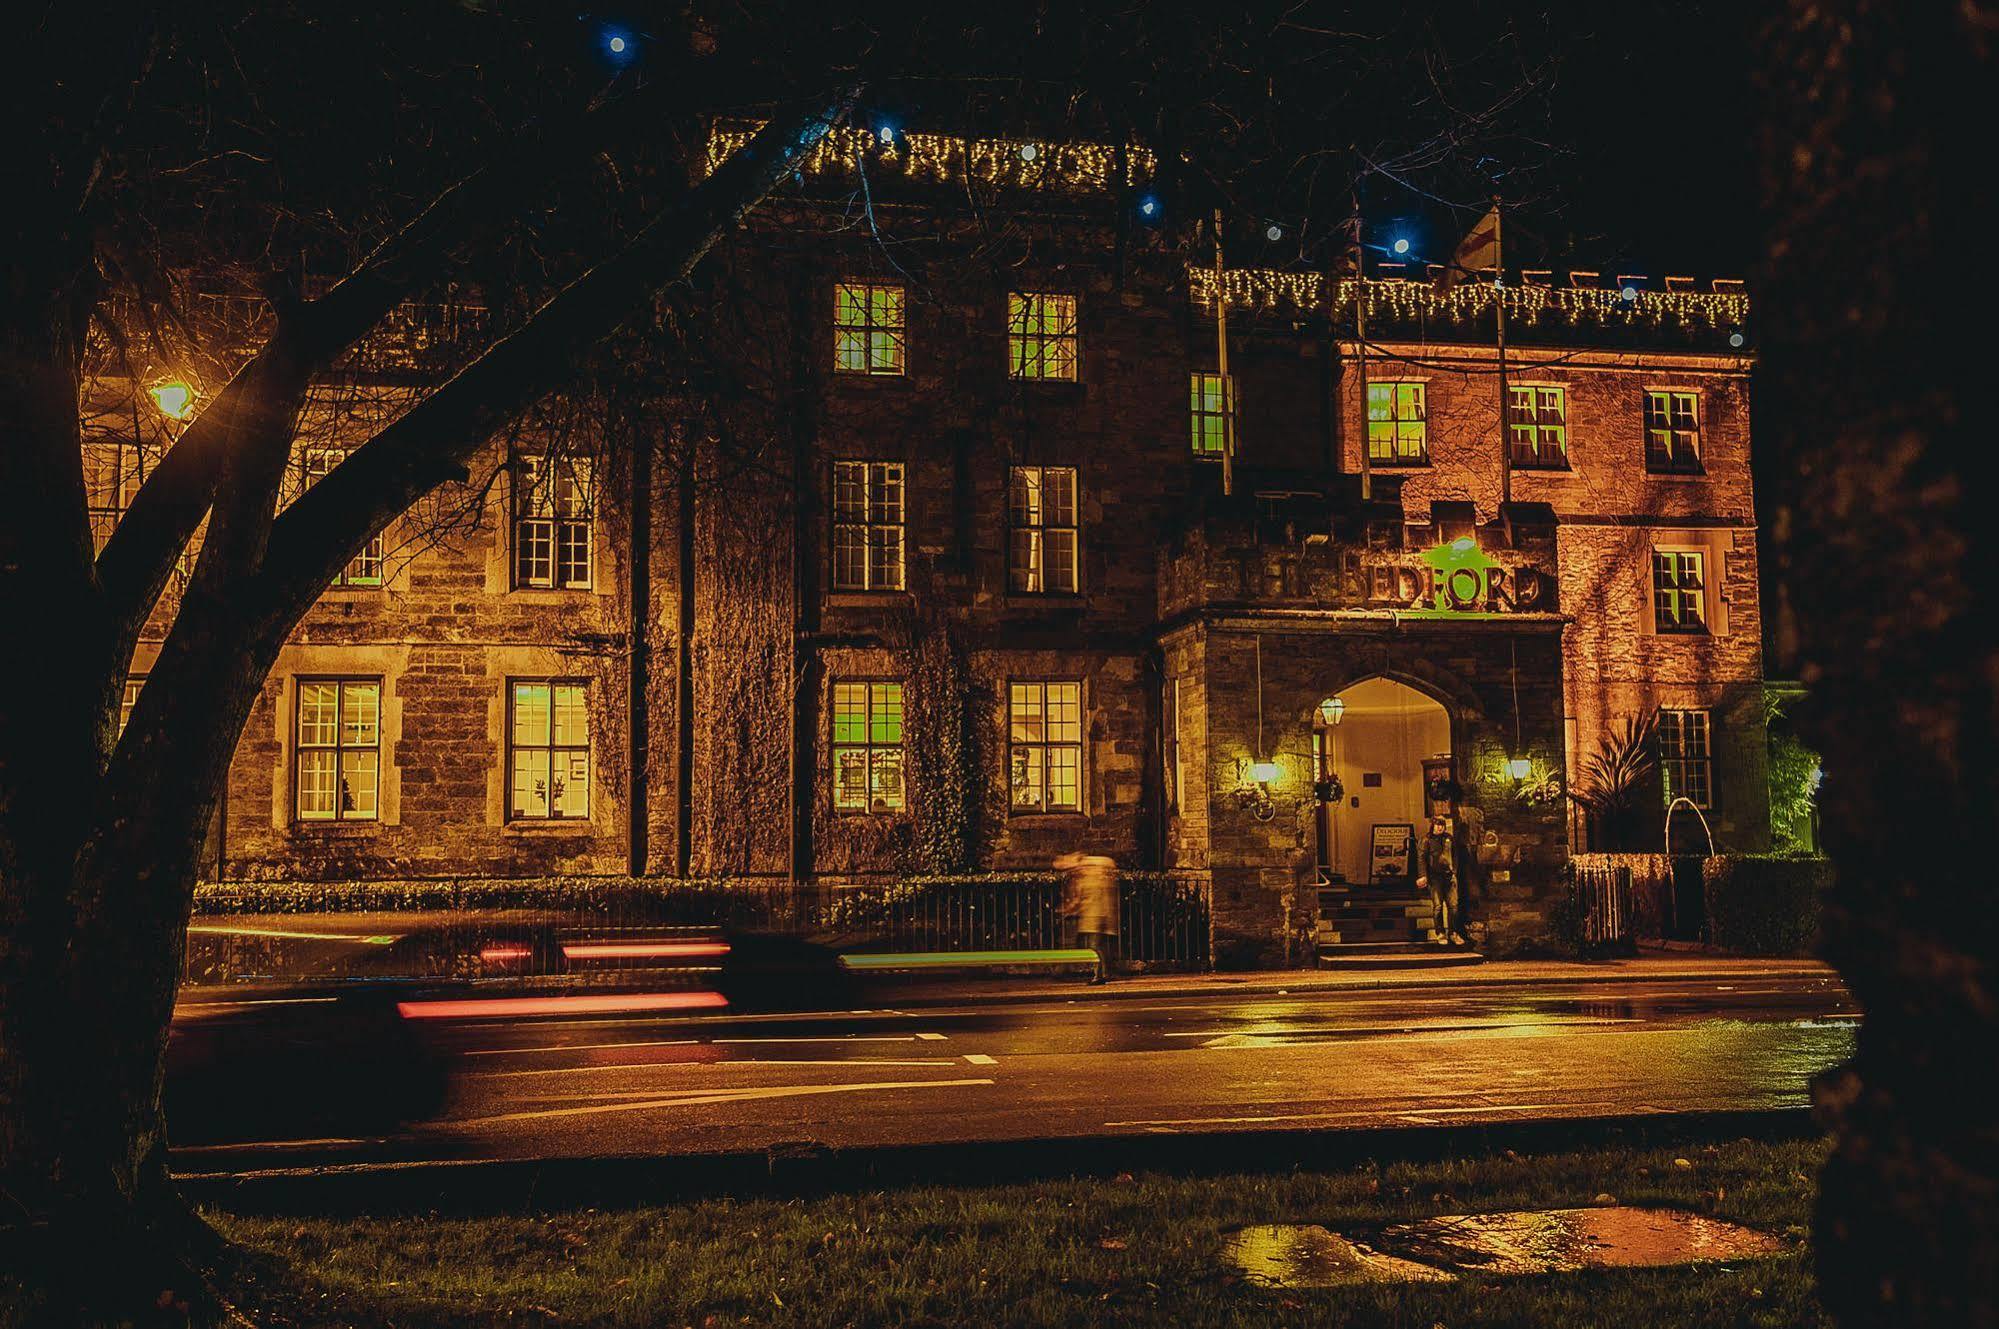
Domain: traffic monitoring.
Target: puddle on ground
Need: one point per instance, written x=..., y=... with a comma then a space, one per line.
x=1541, y=1241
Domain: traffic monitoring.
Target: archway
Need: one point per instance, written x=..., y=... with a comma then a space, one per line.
x=1384, y=746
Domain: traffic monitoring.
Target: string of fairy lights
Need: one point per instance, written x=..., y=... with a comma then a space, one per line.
x=1071, y=167
x=1395, y=299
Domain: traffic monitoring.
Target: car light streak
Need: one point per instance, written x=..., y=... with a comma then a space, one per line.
x=646, y=950
x=586, y=1004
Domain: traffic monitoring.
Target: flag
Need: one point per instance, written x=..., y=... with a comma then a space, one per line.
x=1477, y=252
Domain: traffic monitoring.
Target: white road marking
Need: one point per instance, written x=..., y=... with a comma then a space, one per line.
x=272, y=1144
x=251, y=1001
x=215, y=929
x=980, y=1059
x=698, y=1098
x=930, y=1036
x=1169, y=1122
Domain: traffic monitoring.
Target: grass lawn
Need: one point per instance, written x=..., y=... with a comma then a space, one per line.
x=1137, y=1251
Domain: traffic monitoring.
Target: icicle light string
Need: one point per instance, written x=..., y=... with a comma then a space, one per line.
x=1077, y=167
x=1398, y=298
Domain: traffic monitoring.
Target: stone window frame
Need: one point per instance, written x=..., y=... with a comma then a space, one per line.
x=339, y=747
x=566, y=530
x=1170, y=747
x=134, y=685
x=870, y=339
x=870, y=746
x=587, y=747
x=1044, y=747
x=1043, y=338
x=1395, y=421
x=1212, y=402
x=1038, y=525
x=1677, y=753
x=864, y=528
x=312, y=463
x=1539, y=427
x=1671, y=447
x=108, y=491
x=1672, y=594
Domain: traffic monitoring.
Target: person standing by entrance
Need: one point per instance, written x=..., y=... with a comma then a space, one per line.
x=1468, y=824
x=1440, y=876
x=1090, y=896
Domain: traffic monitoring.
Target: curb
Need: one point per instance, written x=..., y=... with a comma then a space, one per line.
x=469, y=1187
x=1312, y=986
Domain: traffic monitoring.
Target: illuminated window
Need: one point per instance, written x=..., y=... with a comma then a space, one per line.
x=1673, y=432
x=1679, y=590
x=548, y=751
x=112, y=472
x=553, y=505
x=1045, y=732
x=1686, y=756
x=868, y=335
x=1041, y=335
x=339, y=750
x=133, y=682
x=365, y=569
x=1043, y=551
x=1398, y=430
x=867, y=525
x=1538, y=426
x=867, y=747
x=1214, y=405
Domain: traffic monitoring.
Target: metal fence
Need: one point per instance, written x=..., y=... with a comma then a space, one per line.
x=1604, y=906
x=579, y=927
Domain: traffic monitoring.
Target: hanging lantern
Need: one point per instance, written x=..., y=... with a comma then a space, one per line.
x=1332, y=710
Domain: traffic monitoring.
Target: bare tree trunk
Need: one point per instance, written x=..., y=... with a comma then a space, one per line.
x=1874, y=410
x=100, y=833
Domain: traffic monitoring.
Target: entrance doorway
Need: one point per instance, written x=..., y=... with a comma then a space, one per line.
x=1386, y=749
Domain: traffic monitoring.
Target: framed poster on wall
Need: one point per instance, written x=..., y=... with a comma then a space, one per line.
x=1392, y=848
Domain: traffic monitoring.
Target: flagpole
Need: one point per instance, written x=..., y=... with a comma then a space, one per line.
x=1505, y=396
x=1222, y=361
x=1360, y=356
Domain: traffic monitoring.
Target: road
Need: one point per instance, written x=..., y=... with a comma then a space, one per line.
x=650, y=1083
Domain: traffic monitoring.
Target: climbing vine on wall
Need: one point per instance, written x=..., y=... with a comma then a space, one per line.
x=950, y=717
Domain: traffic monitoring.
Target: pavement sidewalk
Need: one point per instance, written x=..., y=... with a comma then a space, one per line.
x=1649, y=968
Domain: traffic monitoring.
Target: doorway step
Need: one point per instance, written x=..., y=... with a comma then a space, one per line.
x=1379, y=927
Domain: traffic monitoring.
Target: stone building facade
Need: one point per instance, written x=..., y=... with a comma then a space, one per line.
x=937, y=565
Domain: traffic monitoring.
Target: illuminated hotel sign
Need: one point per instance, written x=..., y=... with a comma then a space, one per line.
x=1451, y=580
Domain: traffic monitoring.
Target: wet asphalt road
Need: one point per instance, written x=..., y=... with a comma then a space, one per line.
x=515, y=1088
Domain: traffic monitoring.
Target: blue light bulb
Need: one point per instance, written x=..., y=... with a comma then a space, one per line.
x=1401, y=246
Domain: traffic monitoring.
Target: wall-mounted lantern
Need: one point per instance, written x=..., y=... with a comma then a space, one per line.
x=1520, y=768
x=1332, y=710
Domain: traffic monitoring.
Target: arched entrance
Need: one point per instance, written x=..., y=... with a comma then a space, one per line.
x=1382, y=747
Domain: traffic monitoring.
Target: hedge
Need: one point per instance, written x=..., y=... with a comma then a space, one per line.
x=1765, y=904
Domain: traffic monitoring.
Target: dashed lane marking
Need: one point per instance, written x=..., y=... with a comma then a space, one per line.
x=684, y=1042
x=714, y=1065
x=980, y=1059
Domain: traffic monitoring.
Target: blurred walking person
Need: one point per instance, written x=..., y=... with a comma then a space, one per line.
x=1090, y=898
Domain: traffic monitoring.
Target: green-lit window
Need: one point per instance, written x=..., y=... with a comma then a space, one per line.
x=554, y=500
x=365, y=568
x=1041, y=335
x=548, y=749
x=1398, y=428
x=1042, y=555
x=1538, y=427
x=339, y=749
x=1045, y=739
x=867, y=525
x=868, y=333
x=1214, y=409
x=1686, y=756
x=1673, y=432
x=1679, y=590
x=867, y=747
